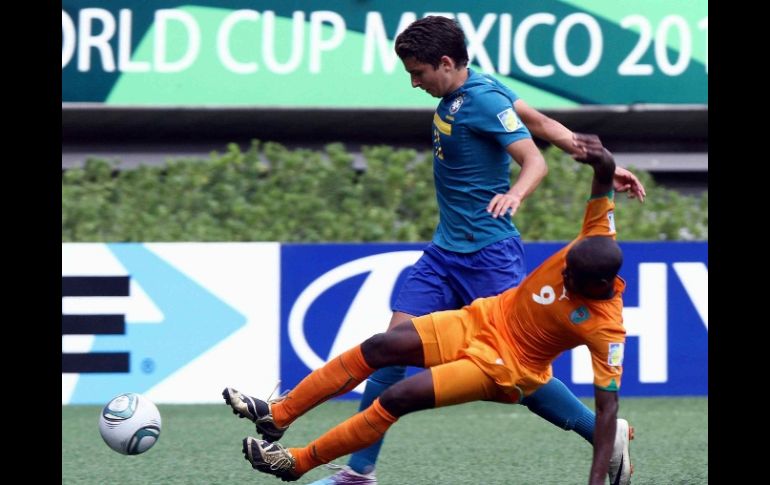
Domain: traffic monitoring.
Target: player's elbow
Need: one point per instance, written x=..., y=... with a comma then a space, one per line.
x=536, y=166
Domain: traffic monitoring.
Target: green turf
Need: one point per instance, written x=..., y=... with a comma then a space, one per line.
x=478, y=443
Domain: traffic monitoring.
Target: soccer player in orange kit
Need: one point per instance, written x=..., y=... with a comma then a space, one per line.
x=498, y=348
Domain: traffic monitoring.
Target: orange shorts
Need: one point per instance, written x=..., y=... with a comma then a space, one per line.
x=469, y=360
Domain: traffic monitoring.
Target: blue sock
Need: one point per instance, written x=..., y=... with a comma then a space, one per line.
x=556, y=404
x=362, y=461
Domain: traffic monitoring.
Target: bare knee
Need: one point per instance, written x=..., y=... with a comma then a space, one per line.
x=375, y=350
x=381, y=350
x=398, y=346
x=404, y=397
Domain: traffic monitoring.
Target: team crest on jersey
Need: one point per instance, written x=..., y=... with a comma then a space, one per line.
x=615, y=357
x=456, y=104
x=611, y=220
x=579, y=315
x=509, y=120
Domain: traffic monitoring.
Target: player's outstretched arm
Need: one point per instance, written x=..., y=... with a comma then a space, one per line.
x=545, y=127
x=592, y=152
x=550, y=130
x=604, y=434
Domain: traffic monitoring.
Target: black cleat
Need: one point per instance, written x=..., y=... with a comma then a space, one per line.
x=257, y=411
x=270, y=458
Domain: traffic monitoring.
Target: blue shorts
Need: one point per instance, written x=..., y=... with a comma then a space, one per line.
x=445, y=280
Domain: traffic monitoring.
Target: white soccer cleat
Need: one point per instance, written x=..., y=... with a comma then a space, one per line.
x=347, y=476
x=621, y=468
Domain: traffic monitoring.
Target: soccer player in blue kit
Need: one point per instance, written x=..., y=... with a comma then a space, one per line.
x=478, y=126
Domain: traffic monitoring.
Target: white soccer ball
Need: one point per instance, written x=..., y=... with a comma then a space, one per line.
x=130, y=424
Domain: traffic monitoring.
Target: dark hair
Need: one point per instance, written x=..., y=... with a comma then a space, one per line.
x=430, y=38
x=595, y=258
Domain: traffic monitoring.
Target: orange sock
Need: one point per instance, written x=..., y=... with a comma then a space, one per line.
x=338, y=376
x=358, y=432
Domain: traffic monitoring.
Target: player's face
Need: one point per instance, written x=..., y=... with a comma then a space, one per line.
x=433, y=81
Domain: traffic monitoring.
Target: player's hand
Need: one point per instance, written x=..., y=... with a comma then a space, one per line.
x=579, y=144
x=625, y=181
x=501, y=204
x=589, y=149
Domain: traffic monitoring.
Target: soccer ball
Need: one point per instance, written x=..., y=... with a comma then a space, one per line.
x=130, y=424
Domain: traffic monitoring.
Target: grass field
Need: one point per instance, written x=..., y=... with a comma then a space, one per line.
x=477, y=443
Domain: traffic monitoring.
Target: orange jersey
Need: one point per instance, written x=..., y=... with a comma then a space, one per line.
x=529, y=326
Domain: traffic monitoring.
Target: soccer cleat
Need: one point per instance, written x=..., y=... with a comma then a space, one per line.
x=270, y=458
x=346, y=476
x=621, y=468
x=257, y=411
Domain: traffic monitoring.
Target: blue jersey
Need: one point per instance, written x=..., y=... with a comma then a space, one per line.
x=472, y=126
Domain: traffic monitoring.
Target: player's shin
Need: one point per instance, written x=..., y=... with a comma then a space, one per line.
x=338, y=376
x=363, y=461
x=359, y=431
x=555, y=403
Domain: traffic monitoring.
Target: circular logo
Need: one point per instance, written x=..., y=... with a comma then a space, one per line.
x=370, y=304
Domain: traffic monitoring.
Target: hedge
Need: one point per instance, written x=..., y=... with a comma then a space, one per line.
x=271, y=193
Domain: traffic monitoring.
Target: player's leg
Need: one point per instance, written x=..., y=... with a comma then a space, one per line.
x=434, y=340
x=368, y=426
x=400, y=345
x=424, y=290
x=448, y=384
x=444, y=385
x=555, y=403
x=363, y=461
x=340, y=375
x=273, y=417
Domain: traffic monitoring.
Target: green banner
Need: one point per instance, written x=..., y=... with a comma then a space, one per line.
x=339, y=53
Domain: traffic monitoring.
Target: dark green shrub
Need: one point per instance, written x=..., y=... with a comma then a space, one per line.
x=270, y=193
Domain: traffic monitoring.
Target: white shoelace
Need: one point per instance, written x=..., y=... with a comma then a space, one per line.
x=281, y=464
x=277, y=458
x=277, y=385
